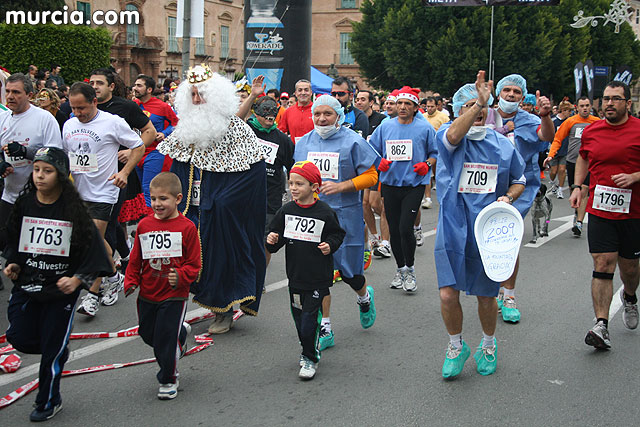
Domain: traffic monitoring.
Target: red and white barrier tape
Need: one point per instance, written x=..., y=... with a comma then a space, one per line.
x=29, y=387
x=6, y=349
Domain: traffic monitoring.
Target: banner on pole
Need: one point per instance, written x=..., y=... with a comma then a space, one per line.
x=197, y=19
x=588, y=77
x=578, y=75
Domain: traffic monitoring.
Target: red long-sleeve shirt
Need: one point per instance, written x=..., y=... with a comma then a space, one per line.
x=152, y=275
x=297, y=121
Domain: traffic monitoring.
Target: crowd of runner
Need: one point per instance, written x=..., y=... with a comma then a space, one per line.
x=337, y=179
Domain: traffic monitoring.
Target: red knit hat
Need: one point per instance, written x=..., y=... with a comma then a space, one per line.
x=393, y=96
x=410, y=93
x=308, y=171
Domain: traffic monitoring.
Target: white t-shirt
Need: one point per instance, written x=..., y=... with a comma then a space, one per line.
x=102, y=136
x=34, y=128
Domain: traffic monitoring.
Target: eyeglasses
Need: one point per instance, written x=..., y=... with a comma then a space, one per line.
x=340, y=93
x=606, y=99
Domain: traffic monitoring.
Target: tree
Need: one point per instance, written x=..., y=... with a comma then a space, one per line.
x=441, y=48
x=26, y=5
x=77, y=48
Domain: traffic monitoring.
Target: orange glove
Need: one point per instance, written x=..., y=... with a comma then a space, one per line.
x=384, y=165
x=421, y=168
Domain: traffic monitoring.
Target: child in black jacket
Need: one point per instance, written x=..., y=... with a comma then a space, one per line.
x=312, y=233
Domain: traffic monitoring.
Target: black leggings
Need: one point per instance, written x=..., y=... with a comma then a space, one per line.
x=401, y=205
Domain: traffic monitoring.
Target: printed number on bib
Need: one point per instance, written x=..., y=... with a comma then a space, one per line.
x=328, y=163
x=83, y=162
x=270, y=151
x=512, y=137
x=399, y=149
x=45, y=236
x=195, y=193
x=17, y=162
x=478, y=178
x=301, y=228
x=611, y=199
x=579, y=132
x=161, y=244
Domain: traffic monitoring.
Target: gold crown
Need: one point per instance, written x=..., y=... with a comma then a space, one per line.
x=199, y=73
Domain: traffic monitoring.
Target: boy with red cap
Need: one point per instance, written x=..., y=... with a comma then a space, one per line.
x=312, y=233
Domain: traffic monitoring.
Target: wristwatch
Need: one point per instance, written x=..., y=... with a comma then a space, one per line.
x=428, y=164
x=574, y=186
x=510, y=197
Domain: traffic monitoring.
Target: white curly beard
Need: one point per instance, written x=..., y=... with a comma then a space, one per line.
x=205, y=124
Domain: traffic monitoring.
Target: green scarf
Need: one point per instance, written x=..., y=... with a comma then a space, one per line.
x=258, y=126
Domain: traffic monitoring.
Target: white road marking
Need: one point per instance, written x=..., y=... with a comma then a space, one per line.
x=568, y=225
x=89, y=350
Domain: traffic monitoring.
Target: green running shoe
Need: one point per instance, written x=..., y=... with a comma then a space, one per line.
x=487, y=358
x=326, y=340
x=368, y=311
x=454, y=360
x=500, y=299
x=510, y=312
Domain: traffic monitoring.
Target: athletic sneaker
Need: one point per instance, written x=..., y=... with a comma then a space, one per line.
x=630, y=313
x=368, y=311
x=367, y=259
x=168, y=391
x=577, y=229
x=398, y=280
x=427, y=203
x=419, y=237
x=560, y=193
x=374, y=243
x=183, y=349
x=454, y=360
x=598, y=337
x=409, y=283
x=89, y=305
x=383, y=251
x=308, y=369
x=111, y=289
x=486, y=358
x=45, y=414
x=326, y=339
x=336, y=276
x=510, y=312
x=553, y=189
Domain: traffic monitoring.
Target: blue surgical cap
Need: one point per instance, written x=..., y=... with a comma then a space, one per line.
x=331, y=102
x=512, y=80
x=463, y=95
x=529, y=99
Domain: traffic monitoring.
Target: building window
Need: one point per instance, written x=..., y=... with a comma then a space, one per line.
x=347, y=4
x=224, y=41
x=200, y=46
x=85, y=8
x=173, y=41
x=345, y=53
x=132, y=28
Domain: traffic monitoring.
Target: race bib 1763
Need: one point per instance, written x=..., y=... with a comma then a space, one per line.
x=44, y=236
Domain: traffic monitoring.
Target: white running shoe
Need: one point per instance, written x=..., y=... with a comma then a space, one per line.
x=89, y=305
x=307, y=369
x=629, y=313
x=168, y=391
x=427, y=203
x=398, y=280
x=560, y=193
x=112, y=287
x=419, y=236
x=383, y=251
x=409, y=283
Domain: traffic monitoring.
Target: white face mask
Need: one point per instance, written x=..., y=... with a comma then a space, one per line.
x=477, y=133
x=326, y=131
x=508, y=106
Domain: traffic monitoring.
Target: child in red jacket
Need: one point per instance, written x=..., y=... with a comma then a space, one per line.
x=164, y=262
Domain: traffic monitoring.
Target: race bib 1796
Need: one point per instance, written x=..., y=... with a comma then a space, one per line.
x=44, y=236
x=161, y=244
x=611, y=199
